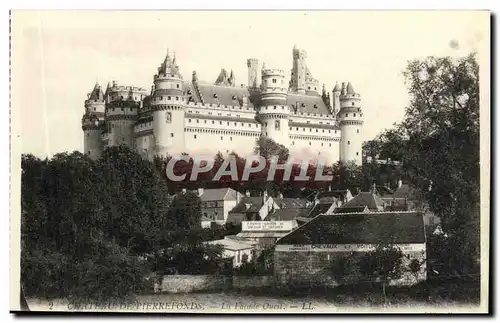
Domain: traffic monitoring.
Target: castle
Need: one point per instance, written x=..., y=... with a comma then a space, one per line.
x=194, y=117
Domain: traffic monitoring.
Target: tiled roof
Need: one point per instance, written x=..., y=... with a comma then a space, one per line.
x=307, y=104
x=352, y=209
x=372, y=201
x=337, y=194
x=288, y=214
x=218, y=194
x=254, y=201
x=230, y=244
x=96, y=93
x=404, y=191
x=319, y=208
x=224, y=95
x=289, y=202
x=350, y=89
x=360, y=228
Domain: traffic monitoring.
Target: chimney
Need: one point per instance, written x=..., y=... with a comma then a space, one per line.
x=200, y=191
x=247, y=193
x=400, y=182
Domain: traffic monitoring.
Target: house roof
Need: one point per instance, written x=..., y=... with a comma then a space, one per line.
x=360, y=228
x=288, y=214
x=289, y=202
x=372, y=201
x=404, y=191
x=337, y=194
x=231, y=244
x=255, y=203
x=319, y=208
x=218, y=194
x=351, y=209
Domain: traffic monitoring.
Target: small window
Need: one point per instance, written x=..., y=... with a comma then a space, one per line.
x=230, y=138
x=197, y=121
x=357, y=153
x=189, y=120
x=348, y=142
x=169, y=97
x=309, y=88
x=354, y=114
x=357, y=130
x=177, y=85
x=195, y=137
x=171, y=135
x=274, y=80
x=277, y=125
x=309, y=143
x=221, y=138
x=347, y=114
x=215, y=95
x=353, y=103
x=176, y=98
x=168, y=117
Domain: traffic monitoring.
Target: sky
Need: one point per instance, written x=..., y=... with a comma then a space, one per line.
x=57, y=57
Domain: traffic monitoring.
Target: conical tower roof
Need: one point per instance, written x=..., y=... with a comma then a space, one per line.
x=350, y=89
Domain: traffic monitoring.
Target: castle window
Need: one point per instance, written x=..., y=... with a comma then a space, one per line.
x=274, y=80
x=308, y=121
x=231, y=138
x=357, y=153
x=353, y=103
x=171, y=134
x=189, y=120
x=121, y=97
x=348, y=142
x=321, y=144
x=197, y=121
x=221, y=138
x=228, y=123
x=330, y=144
x=234, y=97
x=168, y=117
x=177, y=85
x=293, y=143
x=347, y=114
x=277, y=125
x=357, y=130
x=309, y=143
x=314, y=89
x=316, y=130
x=169, y=97
x=213, y=122
x=309, y=88
x=176, y=98
x=94, y=109
x=274, y=107
x=205, y=121
x=195, y=137
x=215, y=95
x=315, y=106
x=355, y=114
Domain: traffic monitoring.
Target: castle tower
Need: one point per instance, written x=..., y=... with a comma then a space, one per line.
x=298, y=77
x=92, y=121
x=336, y=99
x=167, y=104
x=274, y=112
x=121, y=114
x=350, y=119
x=254, y=75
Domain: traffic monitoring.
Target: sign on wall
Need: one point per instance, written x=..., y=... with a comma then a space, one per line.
x=344, y=247
x=266, y=225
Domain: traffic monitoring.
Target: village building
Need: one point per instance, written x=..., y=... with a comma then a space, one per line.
x=369, y=199
x=265, y=233
x=304, y=256
x=238, y=249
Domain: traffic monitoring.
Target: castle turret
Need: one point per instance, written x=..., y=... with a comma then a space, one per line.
x=92, y=121
x=167, y=104
x=350, y=119
x=121, y=114
x=254, y=73
x=274, y=112
x=298, y=77
x=336, y=99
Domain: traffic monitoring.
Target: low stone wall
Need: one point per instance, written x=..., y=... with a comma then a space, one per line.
x=240, y=282
x=193, y=283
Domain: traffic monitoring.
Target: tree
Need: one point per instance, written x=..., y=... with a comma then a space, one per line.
x=440, y=139
x=344, y=269
x=185, y=210
x=415, y=267
x=382, y=265
x=266, y=147
x=347, y=176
